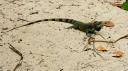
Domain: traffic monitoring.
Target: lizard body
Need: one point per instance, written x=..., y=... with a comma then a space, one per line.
x=88, y=28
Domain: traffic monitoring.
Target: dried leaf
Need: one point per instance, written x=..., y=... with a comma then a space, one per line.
x=117, y=4
x=122, y=6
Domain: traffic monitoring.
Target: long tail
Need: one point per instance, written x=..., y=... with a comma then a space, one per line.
x=71, y=21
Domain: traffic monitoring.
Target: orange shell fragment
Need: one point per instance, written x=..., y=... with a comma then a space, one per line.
x=101, y=49
x=118, y=54
x=109, y=24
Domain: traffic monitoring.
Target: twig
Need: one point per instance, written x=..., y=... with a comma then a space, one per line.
x=18, y=53
x=95, y=50
x=125, y=36
x=91, y=39
x=104, y=41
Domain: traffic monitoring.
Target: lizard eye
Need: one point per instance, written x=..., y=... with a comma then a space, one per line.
x=98, y=26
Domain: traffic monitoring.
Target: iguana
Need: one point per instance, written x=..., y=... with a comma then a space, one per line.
x=89, y=28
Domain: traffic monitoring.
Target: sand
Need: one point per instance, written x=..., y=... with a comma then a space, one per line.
x=49, y=46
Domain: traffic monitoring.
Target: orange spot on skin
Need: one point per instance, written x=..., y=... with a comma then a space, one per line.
x=118, y=54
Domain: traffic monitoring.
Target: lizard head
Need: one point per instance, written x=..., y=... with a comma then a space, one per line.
x=97, y=25
x=93, y=27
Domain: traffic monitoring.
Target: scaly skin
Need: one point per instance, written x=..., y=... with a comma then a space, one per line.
x=89, y=28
